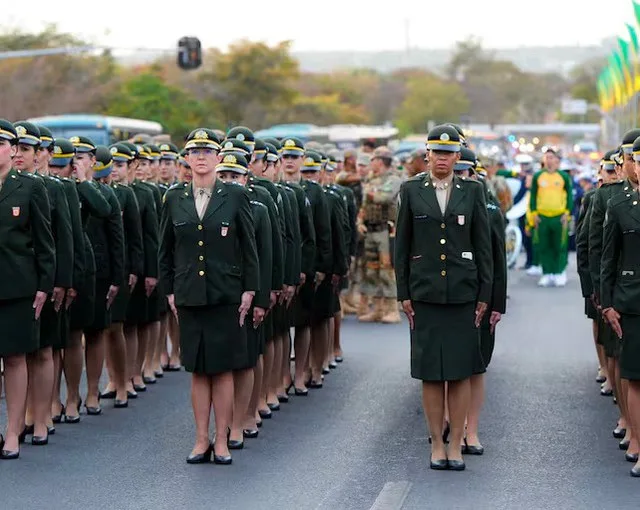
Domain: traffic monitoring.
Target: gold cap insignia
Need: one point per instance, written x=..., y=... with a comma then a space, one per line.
x=240, y=137
x=201, y=134
x=21, y=130
x=74, y=139
x=230, y=159
x=228, y=145
x=309, y=161
x=445, y=137
x=57, y=149
x=289, y=143
x=113, y=150
x=164, y=147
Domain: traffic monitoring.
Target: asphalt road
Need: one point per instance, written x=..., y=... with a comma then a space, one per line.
x=361, y=442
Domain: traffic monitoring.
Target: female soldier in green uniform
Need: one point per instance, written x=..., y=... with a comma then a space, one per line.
x=209, y=267
x=27, y=273
x=444, y=278
x=117, y=364
x=620, y=291
x=40, y=363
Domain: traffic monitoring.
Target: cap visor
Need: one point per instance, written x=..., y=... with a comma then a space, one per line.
x=292, y=152
x=443, y=147
x=228, y=168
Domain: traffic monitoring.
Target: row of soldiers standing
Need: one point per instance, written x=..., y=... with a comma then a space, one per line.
x=86, y=231
x=608, y=248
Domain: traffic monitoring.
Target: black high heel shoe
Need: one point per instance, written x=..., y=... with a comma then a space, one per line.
x=58, y=417
x=619, y=432
x=250, y=434
x=223, y=460
x=74, y=419
x=273, y=407
x=201, y=458
x=107, y=395
x=6, y=454
x=26, y=431
x=40, y=440
x=265, y=415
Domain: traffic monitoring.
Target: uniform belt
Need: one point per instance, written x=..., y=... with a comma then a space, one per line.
x=376, y=227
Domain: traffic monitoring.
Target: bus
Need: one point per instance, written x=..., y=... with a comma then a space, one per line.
x=101, y=129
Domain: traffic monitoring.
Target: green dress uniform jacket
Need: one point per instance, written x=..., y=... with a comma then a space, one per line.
x=73, y=200
x=27, y=250
x=132, y=229
x=321, y=225
x=596, y=227
x=307, y=231
x=583, y=226
x=498, y=301
x=265, y=252
x=210, y=261
x=278, y=231
x=352, y=216
x=293, y=245
x=443, y=259
x=149, y=225
x=339, y=225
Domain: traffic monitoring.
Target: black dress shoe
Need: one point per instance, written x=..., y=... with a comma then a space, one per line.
x=333, y=365
x=283, y=399
x=600, y=379
x=300, y=393
x=326, y=371
x=26, y=431
x=439, y=465
x=606, y=393
x=339, y=359
x=631, y=457
x=121, y=404
x=472, y=449
x=74, y=419
x=250, y=434
x=172, y=368
x=259, y=424
x=159, y=375
x=139, y=388
x=624, y=445
x=619, y=432
x=224, y=460
x=265, y=415
x=148, y=380
x=108, y=395
x=93, y=411
x=315, y=385
x=201, y=458
x=51, y=430
x=40, y=440
x=132, y=394
x=7, y=455
x=635, y=472
x=58, y=417
x=456, y=465
x=274, y=407
x=232, y=444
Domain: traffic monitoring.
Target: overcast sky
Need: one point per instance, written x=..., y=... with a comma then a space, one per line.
x=330, y=24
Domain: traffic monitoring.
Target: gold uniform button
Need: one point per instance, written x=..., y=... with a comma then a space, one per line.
x=201, y=258
x=442, y=241
x=199, y=227
x=443, y=273
x=201, y=273
x=442, y=225
x=200, y=243
x=443, y=257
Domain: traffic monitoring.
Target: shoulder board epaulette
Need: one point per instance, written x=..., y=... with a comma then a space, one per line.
x=491, y=206
x=27, y=175
x=622, y=197
x=257, y=203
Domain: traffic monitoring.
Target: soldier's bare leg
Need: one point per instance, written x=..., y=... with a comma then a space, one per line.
x=302, y=341
x=242, y=387
x=143, y=339
x=16, y=380
x=286, y=362
x=337, y=324
x=149, y=354
x=40, y=386
x=433, y=408
x=268, y=368
x=94, y=361
x=475, y=406
x=117, y=359
x=56, y=403
x=328, y=348
x=319, y=333
x=160, y=345
x=222, y=400
x=174, y=337
x=201, y=399
x=251, y=418
x=275, y=379
x=73, y=362
x=131, y=342
x=459, y=395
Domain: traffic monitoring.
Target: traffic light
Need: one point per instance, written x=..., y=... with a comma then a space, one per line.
x=189, y=53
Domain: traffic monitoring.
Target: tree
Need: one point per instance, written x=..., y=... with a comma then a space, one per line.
x=252, y=77
x=147, y=96
x=430, y=98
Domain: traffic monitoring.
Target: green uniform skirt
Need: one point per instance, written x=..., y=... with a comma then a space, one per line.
x=267, y=328
x=445, y=344
x=303, y=304
x=608, y=339
x=137, y=307
x=153, y=306
x=324, y=302
x=630, y=347
x=211, y=339
x=50, y=327
x=101, y=316
x=255, y=343
x=20, y=329
x=590, y=310
x=280, y=318
x=121, y=304
x=82, y=309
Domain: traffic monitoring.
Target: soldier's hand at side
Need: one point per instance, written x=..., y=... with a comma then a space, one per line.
x=362, y=229
x=613, y=318
x=335, y=281
x=57, y=298
x=111, y=295
x=71, y=295
x=273, y=299
x=150, y=285
x=303, y=279
x=494, y=319
x=171, y=299
x=481, y=309
x=38, y=303
x=258, y=316
x=319, y=278
x=407, y=307
x=133, y=280
x=245, y=304
x=290, y=291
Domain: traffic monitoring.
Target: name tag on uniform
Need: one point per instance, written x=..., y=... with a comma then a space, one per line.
x=461, y=219
x=15, y=211
x=628, y=273
x=467, y=255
